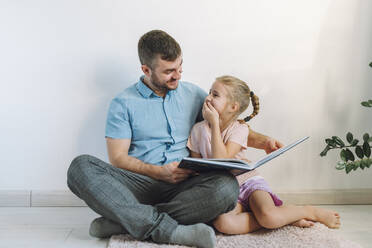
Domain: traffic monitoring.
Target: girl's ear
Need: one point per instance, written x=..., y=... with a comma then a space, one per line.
x=235, y=106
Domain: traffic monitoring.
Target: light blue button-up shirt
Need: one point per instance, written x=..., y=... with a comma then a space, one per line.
x=157, y=127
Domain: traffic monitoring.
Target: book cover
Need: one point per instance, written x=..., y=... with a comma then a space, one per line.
x=236, y=166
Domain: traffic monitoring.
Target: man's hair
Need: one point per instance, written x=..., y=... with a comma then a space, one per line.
x=157, y=42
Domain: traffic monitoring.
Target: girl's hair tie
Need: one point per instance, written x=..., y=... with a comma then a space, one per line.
x=246, y=119
x=251, y=94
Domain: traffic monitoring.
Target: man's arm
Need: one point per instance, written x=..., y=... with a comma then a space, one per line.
x=260, y=141
x=118, y=156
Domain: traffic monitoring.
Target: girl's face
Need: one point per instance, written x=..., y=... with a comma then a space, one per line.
x=219, y=98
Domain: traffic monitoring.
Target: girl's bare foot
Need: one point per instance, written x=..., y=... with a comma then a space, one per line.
x=303, y=223
x=327, y=217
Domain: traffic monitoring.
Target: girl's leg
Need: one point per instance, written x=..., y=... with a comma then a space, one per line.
x=236, y=221
x=270, y=216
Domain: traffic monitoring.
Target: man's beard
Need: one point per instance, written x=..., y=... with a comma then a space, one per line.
x=159, y=86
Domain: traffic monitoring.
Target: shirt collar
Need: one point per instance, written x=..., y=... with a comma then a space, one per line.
x=143, y=89
x=146, y=92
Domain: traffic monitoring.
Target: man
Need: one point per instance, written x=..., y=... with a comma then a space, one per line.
x=143, y=192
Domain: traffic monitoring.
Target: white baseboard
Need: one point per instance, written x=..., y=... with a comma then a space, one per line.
x=55, y=198
x=65, y=198
x=39, y=198
x=15, y=198
x=327, y=197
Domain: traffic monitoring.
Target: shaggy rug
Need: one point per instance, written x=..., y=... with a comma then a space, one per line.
x=318, y=236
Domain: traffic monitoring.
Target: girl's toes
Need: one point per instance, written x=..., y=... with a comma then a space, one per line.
x=303, y=223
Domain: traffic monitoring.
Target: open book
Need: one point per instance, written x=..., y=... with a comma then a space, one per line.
x=236, y=166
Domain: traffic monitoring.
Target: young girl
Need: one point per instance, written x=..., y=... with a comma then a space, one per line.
x=221, y=135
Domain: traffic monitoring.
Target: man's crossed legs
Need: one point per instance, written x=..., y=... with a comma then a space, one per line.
x=148, y=208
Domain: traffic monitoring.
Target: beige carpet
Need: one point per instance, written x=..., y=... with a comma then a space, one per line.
x=318, y=236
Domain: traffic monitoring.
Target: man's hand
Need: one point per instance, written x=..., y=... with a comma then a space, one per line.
x=272, y=145
x=172, y=174
x=210, y=114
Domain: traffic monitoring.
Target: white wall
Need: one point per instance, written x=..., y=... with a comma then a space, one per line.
x=62, y=61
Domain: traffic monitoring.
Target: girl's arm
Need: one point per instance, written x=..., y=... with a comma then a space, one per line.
x=195, y=154
x=219, y=149
x=261, y=141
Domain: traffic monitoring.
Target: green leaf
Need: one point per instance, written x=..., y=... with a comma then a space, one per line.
x=338, y=141
x=370, y=64
x=368, y=162
x=356, y=165
x=340, y=165
x=349, y=137
x=366, y=137
x=361, y=164
x=330, y=142
x=343, y=155
x=324, y=152
x=366, y=104
x=359, y=152
x=348, y=168
x=366, y=149
x=370, y=102
x=354, y=142
x=364, y=163
x=370, y=139
x=349, y=155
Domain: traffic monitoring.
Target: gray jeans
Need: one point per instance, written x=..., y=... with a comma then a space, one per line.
x=149, y=208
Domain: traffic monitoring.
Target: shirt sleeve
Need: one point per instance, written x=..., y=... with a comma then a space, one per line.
x=117, y=123
x=239, y=135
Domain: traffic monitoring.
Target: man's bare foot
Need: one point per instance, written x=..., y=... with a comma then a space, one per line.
x=327, y=217
x=303, y=223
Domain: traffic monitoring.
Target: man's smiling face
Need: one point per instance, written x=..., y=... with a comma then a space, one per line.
x=164, y=75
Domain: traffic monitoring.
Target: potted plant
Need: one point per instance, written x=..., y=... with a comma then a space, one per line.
x=362, y=149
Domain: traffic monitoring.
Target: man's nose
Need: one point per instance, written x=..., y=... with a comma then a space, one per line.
x=177, y=75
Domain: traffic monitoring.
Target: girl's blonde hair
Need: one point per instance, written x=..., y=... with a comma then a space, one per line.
x=240, y=92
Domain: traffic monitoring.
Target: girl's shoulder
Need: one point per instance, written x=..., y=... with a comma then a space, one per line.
x=241, y=127
x=200, y=126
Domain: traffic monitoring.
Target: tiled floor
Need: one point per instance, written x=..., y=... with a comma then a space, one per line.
x=68, y=226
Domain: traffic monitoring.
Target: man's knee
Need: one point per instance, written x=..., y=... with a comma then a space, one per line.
x=226, y=191
x=81, y=171
x=77, y=166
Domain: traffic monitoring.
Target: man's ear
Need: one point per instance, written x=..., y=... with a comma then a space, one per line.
x=146, y=70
